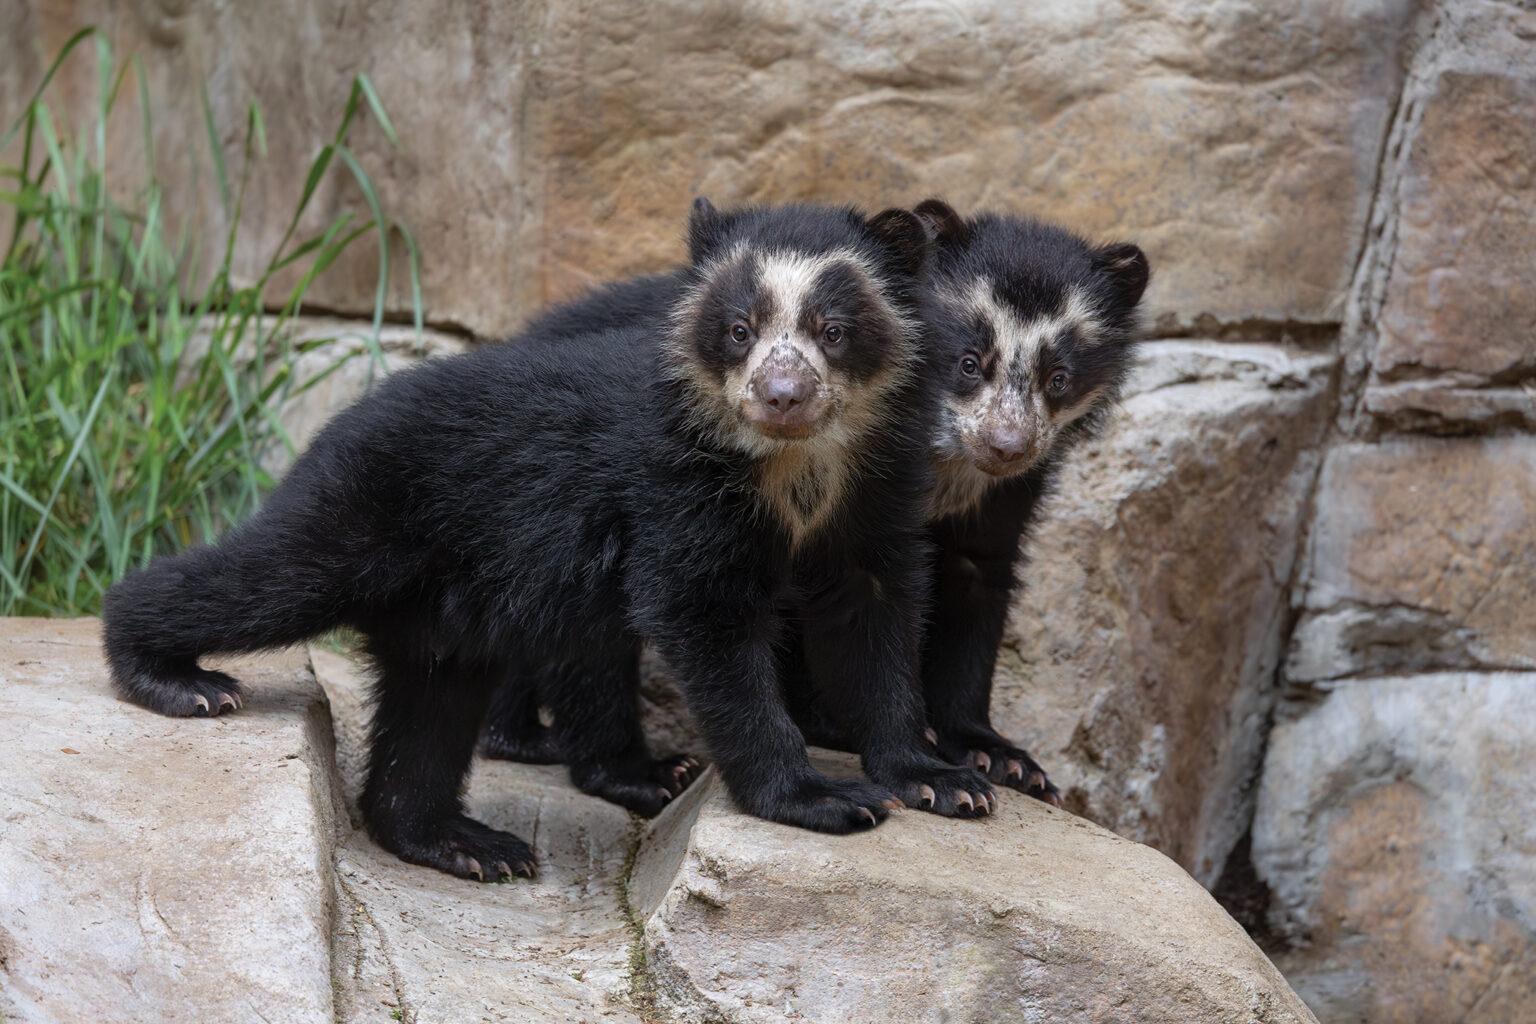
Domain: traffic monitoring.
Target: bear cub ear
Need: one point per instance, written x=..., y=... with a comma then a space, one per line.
x=943, y=224
x=901, y=235
x=1128, y=271
x=706, y=230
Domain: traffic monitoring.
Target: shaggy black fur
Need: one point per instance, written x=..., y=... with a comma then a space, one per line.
x=549, y=506
x=1030, y=267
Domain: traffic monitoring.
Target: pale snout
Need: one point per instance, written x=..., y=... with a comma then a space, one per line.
x=784, y=397
x=1009, y=444
x=1006, y=448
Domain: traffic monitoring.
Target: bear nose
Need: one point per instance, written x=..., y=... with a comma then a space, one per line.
x=1008, y=444
x=783, y=391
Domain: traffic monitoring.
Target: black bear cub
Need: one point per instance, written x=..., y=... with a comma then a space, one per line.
x=1033, y=332
x=1030, y=335
x=545, y=508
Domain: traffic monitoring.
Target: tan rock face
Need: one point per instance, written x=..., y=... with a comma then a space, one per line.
x=1031, y=915
x=1422, y=557
x=1458, y=327
x=547, y=146
x=451, y=77
x=154, y=868
x=1140, y=660
x=1399, y=851
x=1237, y=145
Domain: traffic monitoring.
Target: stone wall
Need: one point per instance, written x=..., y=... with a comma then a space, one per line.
x=1397, y=847
x=1292, y=588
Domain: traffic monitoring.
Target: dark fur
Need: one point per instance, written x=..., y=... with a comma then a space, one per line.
x=1031, y=265
x=980, y=553
x=546, y=507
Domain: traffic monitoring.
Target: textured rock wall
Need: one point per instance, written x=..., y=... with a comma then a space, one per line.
x=1318, y=498
x=546, y=146
x=1140, y=661
x=1395, y=842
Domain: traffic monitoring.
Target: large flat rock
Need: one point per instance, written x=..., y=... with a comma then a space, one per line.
x=158, y=869
x=207, y=870
x=1031, y=915
x=1396, y=829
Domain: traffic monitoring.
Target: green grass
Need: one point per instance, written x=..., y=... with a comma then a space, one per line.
x=133, y=415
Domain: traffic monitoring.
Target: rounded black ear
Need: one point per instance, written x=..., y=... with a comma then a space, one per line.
x=706, y=228
x=942, y=223
x=1128, y=271
x=902, y=236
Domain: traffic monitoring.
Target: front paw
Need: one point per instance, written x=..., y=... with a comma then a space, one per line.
x=927, y=783
x=838, y=806
x=1001, y=761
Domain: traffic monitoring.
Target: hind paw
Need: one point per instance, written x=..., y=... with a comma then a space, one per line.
x=645, y=785
x=535, y=746
x=467, y=849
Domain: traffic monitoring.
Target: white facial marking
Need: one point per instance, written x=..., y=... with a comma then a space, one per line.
x=1077, y=410
x=1020, y=339
x=1013, y=395
x=802, y=481
x=802, y=485
x=787, y=279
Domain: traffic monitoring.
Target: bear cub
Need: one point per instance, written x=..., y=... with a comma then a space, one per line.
x=545, y=508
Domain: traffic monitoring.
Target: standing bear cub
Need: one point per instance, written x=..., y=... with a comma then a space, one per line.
x=542, y=507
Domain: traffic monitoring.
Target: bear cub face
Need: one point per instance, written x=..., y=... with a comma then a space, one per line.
x=796, y=331
x=1034, y=332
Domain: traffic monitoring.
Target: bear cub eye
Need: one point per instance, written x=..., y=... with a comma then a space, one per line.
x=970, y=365
x=1059, y=381
x=832, y=334
x=740, y=333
